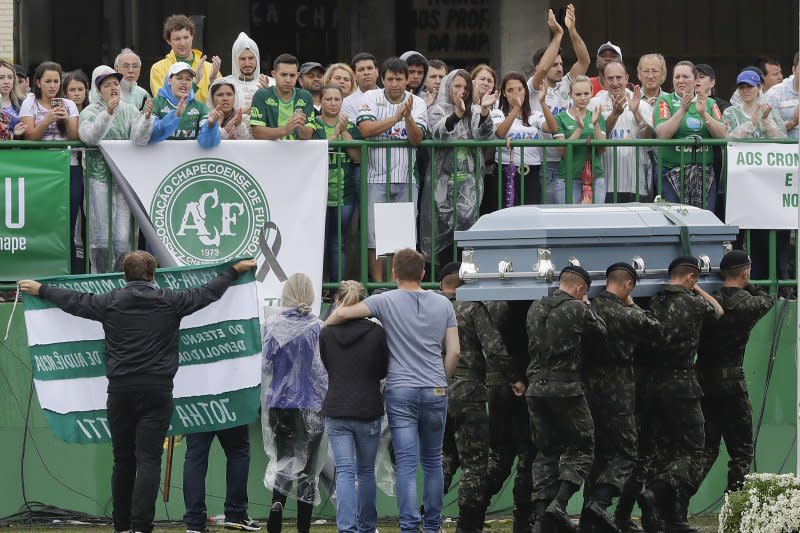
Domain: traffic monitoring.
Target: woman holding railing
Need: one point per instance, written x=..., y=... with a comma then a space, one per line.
x=342, y=179
x=107, y=117
x=687, y=172
x=453, y=194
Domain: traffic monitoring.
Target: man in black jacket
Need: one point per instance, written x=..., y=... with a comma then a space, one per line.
x=141, y=323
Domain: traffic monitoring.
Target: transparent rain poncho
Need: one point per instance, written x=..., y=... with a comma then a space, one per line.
x=126, y=123
x=293, y=386
x=456, y=186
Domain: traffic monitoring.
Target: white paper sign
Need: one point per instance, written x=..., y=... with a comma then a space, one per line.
x=762, y=188
x=395, y=227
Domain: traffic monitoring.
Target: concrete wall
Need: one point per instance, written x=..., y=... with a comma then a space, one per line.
x=522, y=29
x=7, y=29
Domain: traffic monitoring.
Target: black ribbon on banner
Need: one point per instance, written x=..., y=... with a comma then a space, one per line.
x=270, y=253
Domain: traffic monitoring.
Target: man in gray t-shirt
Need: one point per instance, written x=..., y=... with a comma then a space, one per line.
x=419, y=326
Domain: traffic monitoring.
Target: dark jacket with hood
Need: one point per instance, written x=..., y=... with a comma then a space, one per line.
x=405, y=57
x=356, y=356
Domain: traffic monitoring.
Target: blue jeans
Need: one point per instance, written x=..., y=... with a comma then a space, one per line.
x=236, y=444
x=354, y=443
x=416, y=419
x=332, y=245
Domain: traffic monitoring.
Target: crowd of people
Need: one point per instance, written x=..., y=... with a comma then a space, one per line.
x=409, y=98
x=569, y=395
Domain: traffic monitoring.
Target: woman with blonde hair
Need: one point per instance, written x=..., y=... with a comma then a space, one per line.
x=10, y=102
x=341, y=75
x=356, y=356
x=293, y=384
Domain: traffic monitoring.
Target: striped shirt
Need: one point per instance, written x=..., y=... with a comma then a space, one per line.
x=558, y=100
x=625, y=157
x=351, y=104
x=376, y=106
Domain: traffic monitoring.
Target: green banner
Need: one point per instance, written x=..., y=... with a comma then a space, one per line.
x=34, y=213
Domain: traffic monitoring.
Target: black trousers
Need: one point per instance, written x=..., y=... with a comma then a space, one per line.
x=138, y=421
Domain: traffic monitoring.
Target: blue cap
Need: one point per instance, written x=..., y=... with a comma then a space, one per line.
x=749, y=77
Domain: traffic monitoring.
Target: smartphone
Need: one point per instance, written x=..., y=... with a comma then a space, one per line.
x=56, y=102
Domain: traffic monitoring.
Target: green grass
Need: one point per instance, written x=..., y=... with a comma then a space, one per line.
x=706, y=524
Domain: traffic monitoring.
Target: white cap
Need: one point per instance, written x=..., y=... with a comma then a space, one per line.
x=180, y=66
x=610, y=46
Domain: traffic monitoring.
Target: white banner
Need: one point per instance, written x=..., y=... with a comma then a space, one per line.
x=211, y=205
x=762, y=185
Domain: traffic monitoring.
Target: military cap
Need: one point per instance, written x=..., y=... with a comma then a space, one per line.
x=684, y=260
x=578, y=271
x=449, y=268
x=734, y=259
x=623, y=266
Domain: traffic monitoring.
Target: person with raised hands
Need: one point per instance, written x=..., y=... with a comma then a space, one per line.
x=179, y=115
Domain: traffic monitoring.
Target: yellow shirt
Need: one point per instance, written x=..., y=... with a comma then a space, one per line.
x=158, y=73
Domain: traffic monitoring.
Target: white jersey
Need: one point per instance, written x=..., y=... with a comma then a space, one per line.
x=376, y=106
x=351, y=105
x=519, y=131
x=558, y=100
x=623, y=159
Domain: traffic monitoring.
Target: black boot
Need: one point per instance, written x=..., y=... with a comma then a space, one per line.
x=647, y=504
x=622, y=514
x=595, y=509
x=275, y=520
x=523, y=518
x=469, y=520
x=679, y=522
x=555, y=515
x=537, y=517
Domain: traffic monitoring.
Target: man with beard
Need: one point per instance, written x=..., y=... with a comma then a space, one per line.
x=129, y=65
x=311, y=74
x=246, y=74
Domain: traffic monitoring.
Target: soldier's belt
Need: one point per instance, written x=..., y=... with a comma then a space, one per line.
x=469, y=373
x=544, y=377
x=720, y=374
x=672, y=373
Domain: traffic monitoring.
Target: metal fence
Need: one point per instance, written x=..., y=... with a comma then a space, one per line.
x=646, y=160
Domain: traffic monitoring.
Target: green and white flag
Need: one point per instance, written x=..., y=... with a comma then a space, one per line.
x=218, y=380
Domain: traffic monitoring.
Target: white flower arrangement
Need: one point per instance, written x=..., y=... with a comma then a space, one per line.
x=767, y=503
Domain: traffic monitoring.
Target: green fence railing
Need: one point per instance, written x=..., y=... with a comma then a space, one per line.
x=647, y=163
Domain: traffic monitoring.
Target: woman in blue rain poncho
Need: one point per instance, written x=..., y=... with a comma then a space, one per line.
x=293, y=386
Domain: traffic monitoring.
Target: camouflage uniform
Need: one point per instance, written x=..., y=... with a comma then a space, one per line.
x=561, y=423
x=726, y=404
x=673, y=394
x=610, y=390
x=509, y=425
x=466, y=409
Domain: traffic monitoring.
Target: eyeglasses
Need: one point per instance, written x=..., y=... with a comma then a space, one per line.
x=651, y=71
x=129, y=66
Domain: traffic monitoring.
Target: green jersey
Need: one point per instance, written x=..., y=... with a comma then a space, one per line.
x=189, y=122
x=342, y=176
x=692, y=125
x=566, y=127
x=271, y=111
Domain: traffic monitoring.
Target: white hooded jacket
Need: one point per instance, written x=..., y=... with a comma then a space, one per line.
x=246, y=86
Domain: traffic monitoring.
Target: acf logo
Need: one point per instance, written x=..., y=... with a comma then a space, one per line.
x=209, y=210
